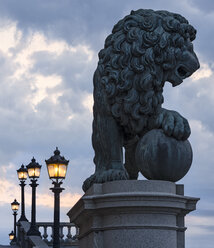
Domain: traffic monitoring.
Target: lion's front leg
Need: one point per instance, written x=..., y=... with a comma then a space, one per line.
x=172, y=123
x=107, y=140
x=130, y=163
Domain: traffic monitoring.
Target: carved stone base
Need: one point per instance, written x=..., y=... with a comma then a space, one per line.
x=137, y=214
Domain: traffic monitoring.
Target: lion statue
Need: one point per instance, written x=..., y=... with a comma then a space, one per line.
x=146, y=49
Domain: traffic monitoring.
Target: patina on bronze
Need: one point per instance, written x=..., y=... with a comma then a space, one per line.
x=146, y=49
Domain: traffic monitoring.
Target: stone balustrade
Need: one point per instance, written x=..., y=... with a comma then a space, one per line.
x=68, y=235
x=68, y=232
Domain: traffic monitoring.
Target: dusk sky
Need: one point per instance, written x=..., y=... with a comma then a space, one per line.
x=48, y=54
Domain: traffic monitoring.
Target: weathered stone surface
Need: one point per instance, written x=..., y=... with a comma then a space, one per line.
x=159, y=157
x=124, y=214
x=37, y=242
x=146, y=49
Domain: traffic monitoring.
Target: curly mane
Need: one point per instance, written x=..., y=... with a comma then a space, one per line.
x=141, y=49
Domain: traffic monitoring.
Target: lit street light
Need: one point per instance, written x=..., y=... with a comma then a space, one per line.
x=33, y=169
x=11, y=236
x=22, y=176
x=57, y=168
x=15, y=208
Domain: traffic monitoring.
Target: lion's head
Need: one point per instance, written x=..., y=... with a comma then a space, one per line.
x=145, y=49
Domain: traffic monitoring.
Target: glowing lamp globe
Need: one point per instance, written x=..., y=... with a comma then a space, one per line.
x=11, y=235
x=33, y=169
x=15, y=206
x=57, y=166
x=22, y=173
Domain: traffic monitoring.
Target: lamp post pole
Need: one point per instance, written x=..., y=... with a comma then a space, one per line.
x=57, y=168
x=14, y=214
x=56, y=190
x=33, y=231
x=22, y=217
x=33, y=173
x=15, y=207
x=22, y=176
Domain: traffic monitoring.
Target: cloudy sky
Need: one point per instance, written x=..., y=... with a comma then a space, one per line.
x=48, y=53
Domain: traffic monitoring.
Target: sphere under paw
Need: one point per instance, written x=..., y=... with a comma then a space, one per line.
x=159, y=157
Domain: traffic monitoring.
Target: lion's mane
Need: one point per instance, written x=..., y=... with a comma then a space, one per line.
x=131, y=67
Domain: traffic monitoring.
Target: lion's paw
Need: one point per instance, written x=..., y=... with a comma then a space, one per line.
x=175, y=125
x=105, y=176
x=88, y=182
x=113, y=175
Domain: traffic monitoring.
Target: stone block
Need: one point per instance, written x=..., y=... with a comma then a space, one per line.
x=137, y=214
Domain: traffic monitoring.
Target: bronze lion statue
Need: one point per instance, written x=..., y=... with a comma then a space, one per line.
x=146, y=49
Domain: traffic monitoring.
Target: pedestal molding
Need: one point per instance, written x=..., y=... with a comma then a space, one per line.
x=119, y=214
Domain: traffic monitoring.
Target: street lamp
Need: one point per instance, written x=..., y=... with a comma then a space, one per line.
x=22, y=176
x=57, y=168
x=33, y=169
x=15, y=208
x=11, y=235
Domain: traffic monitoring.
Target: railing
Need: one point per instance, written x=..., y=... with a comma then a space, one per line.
x=68, y=235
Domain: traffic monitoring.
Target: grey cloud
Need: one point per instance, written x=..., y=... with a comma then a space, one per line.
x=61, y=19
x=79, y=21
x=206, y=5
x=74, y=69
x=196, y=100
x=209, y=213
x=196, y=241
x=88, y=22
x=7, y=67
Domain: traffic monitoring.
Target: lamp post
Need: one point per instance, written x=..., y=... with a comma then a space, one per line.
x=15, y=208
x=33, y=169
x=57, y=168
x=11, y=236
x=22, y=176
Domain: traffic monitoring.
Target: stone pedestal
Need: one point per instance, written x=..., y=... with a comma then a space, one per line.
x=132, y=214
